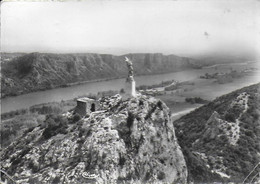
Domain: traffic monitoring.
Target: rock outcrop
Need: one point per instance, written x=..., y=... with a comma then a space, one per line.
x=39, y=71
x=130, y=141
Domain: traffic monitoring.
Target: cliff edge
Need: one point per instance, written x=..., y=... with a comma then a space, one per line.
x=130, y=141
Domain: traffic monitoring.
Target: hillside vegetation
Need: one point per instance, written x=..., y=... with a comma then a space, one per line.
x=40, y=71
x=221, y=140
x=15, y=123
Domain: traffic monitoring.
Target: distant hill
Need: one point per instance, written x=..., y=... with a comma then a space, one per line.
x=221, y=140
x=221, y=57
x=40, y=71
x=130, y=141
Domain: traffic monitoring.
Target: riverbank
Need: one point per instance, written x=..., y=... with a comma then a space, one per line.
x=66, y=93
x=60, y=86
x=18, y=93
x=204, y=88
x=51, y=87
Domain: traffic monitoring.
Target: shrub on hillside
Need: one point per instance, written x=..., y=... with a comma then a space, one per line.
x=130, y=119
x=230, y=117
x=12, y=114
x=76, y=118
x=46, y=109
x=122, y=90
x=161, y=175
x=55, y=124
x=159, y=104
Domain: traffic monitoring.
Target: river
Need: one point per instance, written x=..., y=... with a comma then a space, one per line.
x=58, y=94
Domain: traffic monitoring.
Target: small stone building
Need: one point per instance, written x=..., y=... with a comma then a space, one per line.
x=86, y=105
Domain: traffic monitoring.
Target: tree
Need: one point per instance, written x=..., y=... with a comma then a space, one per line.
x=76, y=118
x=122, y=90
x=230, y=117
x=54, y=124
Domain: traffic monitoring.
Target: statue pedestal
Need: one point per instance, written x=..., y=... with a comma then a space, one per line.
x=129, y=88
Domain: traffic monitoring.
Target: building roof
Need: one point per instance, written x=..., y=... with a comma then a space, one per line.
x=85, y=99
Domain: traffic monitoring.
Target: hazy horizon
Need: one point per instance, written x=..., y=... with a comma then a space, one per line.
x=185, y=28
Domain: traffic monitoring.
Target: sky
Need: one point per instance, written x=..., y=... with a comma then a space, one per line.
x=185, y=27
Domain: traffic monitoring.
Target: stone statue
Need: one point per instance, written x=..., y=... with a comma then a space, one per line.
x=130, y=82
x=130, y=67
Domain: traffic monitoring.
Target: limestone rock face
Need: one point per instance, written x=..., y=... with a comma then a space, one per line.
x=132, y=141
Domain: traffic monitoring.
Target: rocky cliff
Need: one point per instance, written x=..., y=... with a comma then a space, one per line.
x=221, y=140
x=39, y=71
x=129, y=141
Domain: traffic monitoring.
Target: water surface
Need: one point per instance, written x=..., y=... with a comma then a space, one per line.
x=58, y=94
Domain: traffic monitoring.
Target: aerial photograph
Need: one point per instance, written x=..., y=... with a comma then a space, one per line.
x=130, y=92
